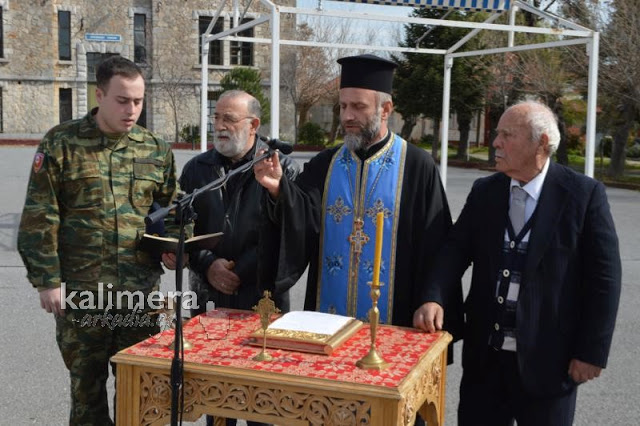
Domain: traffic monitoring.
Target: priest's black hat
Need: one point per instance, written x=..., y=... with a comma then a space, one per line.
x=367, y=72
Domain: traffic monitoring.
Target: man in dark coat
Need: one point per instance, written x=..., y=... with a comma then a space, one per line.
x=228, y=274
x=544, y=294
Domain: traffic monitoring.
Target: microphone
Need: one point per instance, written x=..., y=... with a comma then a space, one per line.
x=154, y=223
x=283, y=147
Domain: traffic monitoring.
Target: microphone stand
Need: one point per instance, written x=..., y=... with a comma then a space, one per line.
x=185, y=215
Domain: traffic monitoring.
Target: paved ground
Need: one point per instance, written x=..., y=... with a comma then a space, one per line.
x=36, y=385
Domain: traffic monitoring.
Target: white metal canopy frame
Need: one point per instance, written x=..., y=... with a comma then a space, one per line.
x=566, y=32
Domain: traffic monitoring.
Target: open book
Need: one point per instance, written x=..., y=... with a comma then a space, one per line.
x=158, y=245
x=308, y=331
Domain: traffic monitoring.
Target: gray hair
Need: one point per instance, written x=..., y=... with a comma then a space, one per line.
x=253, y=105
x=542, y=121
x=382, y=97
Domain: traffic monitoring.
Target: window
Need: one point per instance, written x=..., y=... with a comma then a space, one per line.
x=142, y=120
x=215, y=48
x=64, y=35
x=1, y=124
x=1, y=36
x=93, y=60
x=242, y=52
x=139, y=38
x=211, y=108
x=234, y=52
x=66, y=108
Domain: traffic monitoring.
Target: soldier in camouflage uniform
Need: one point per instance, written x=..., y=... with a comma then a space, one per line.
x=92, y=183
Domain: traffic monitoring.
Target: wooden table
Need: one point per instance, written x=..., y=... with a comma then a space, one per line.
x=221, y=379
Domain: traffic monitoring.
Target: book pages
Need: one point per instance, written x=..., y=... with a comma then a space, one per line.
x=311, y=322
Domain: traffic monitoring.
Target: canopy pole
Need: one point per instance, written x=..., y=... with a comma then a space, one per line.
x=204, y=94
x=275, y=72
x=512, y=22
x=592, y=97
x=444, y=126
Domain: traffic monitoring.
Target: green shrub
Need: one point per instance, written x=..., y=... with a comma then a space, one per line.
x=427, y=140
x=311, y=134
x=576, y=152
x=190, y=134
x=605, y=146
x=574, y=143
x=634, y=151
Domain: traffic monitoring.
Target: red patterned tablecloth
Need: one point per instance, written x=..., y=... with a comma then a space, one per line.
x=222, y=338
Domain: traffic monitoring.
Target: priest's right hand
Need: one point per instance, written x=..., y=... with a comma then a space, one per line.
x=429, y=317
x=268, y=173
x=50, y=301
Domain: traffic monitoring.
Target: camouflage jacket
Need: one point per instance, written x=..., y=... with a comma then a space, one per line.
x=85, y=207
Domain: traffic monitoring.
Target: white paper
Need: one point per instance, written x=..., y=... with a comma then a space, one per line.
x=310, y=322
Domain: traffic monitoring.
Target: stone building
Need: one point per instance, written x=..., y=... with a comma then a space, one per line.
x=49, y=50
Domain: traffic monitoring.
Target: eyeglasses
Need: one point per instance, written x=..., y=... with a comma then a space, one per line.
x=229, y=119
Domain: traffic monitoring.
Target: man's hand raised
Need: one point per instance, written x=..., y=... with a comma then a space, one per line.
x=268, y=173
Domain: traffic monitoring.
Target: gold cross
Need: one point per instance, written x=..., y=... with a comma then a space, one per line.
x=266, y=307
x=358, y=238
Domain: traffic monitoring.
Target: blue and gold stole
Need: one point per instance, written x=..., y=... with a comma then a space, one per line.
x=349, y=229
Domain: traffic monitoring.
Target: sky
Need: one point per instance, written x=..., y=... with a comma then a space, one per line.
x=370, y=8
x=387, y=33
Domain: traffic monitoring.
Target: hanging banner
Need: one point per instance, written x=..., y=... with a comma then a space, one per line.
x=471, y=5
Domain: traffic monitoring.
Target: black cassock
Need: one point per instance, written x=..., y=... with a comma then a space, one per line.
x=291, y=228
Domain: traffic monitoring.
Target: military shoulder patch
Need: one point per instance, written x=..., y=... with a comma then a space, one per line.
x=38, y=162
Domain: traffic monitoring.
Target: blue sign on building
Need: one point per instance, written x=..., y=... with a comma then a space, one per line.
x=103, y=37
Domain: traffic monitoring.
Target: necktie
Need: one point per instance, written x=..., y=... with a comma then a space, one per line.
x=516, y=211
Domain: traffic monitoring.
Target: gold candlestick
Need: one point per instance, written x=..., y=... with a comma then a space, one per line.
x=373, y=360
x=265, y=307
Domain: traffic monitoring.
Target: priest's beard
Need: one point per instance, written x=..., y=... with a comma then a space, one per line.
x=368, y=131
x=233, y=146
